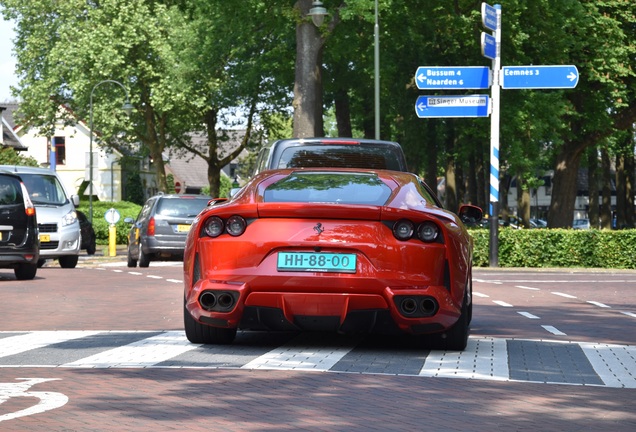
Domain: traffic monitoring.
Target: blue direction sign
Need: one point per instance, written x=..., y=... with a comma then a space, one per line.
x=539, y=77
x=449, y=78
x=489, y=16
x=452, y=106
x=488, y=46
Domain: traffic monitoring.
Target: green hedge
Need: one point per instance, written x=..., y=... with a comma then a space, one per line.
x=125, y=209
x=558, y=248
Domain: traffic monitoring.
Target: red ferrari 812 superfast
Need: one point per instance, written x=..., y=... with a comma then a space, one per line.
x=326, y=249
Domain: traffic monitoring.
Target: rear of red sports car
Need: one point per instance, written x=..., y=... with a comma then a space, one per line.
x=328, y=250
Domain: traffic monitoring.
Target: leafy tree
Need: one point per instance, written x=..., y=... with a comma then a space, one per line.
x=8, y=156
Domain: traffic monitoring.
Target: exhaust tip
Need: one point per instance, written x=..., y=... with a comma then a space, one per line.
x=207, y=300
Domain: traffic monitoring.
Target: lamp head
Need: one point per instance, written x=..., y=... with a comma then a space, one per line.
x=317, y=13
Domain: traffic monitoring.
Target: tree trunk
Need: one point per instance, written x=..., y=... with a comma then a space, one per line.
x=564, y=187
x=214, y=172
x=523, y=203
x=621, y=196
x=343, y=113
x=630, y=172
x=307, y=121
x=592, y=186
x=154, y=145
x=606, y=204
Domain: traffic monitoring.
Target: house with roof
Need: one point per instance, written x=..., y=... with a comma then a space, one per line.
x=68, y=153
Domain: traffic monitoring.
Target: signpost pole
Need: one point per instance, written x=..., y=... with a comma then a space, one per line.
x=494, y=146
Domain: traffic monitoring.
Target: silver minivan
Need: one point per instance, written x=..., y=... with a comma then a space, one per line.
x=59, y=229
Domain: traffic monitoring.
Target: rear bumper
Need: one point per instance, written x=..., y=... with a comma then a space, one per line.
x=373, y=311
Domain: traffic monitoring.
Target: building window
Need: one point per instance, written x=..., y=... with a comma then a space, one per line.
x=60, y=151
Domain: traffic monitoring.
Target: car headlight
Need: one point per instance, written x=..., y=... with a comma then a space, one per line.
x=69, y=218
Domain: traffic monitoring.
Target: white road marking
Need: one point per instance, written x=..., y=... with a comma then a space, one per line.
x=502, y=303
x=553, y=330
x=484, y=358
x=630, y=314
x=299, y=357
x=528, y=315
x=154, y=277
x=24, y=342
x=174, y=280
x=132, y=273
x=48, y=400
x=527, y=288
x=478, y=294
x=143, y=353
x=595, y=303
x=563, y=295
x=614, y=364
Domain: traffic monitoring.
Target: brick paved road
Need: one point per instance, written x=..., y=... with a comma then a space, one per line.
x=352, y=385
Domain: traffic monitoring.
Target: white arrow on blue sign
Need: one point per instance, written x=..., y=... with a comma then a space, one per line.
x=488, y=46
x=539, y=77
x=452, y=78
x=452, y=106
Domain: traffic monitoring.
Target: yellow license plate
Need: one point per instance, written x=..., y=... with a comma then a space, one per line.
x=45, y=238
x=183, y=228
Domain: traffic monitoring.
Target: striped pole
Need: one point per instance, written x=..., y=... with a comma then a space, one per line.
x=494, y=146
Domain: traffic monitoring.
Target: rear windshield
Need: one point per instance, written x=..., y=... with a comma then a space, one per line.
x=340, y=156
x=10, y=191
x=330, y=187
x=181, y=207
x=44, y=189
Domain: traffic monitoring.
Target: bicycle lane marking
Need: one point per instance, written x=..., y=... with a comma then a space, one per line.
x=48, y=400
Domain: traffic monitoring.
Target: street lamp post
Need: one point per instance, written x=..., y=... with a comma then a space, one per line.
x=126, y=107
x=376, y=63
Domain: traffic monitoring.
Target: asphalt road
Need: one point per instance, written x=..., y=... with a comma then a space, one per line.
x=101, y=347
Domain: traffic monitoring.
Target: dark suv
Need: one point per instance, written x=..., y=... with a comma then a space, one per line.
x=19, y=242
x=332, y=153
x=161, y=228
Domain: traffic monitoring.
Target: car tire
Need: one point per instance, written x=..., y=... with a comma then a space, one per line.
x=456, y=338
x=144, y=259
x=41, y=262
x=131, y=261
x=68, y=261
x=25, y=271
x=202, y=334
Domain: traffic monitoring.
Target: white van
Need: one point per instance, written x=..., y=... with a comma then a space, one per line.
x=59, y=229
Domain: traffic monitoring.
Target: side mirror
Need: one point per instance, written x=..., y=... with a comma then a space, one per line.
x=75, y=199
x=129, y=220
x=470, y=214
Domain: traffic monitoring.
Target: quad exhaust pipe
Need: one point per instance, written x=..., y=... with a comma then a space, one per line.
x=217, y=301
x=417, y=306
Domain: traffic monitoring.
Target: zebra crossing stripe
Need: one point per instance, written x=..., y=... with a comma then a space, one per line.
x=143, y=353
x=25, y=342
x=484, y=358
x=614, y=364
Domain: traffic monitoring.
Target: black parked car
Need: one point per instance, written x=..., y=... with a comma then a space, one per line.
x=19, y=242
x=88, y=234
x=160, y=230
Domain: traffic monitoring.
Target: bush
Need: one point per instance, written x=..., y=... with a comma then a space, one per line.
x=558, y=248
x=125, y=209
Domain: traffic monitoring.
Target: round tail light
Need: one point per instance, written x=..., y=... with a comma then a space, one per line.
x=403, y=229
x=235, y=225
x=214, y=226
x=427, y=231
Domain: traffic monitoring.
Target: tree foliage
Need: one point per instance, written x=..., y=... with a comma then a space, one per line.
x=196, y=66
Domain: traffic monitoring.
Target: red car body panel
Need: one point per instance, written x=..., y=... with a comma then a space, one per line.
x=387, y=269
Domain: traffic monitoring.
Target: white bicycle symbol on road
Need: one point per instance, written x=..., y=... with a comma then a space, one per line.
x=48, y=400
